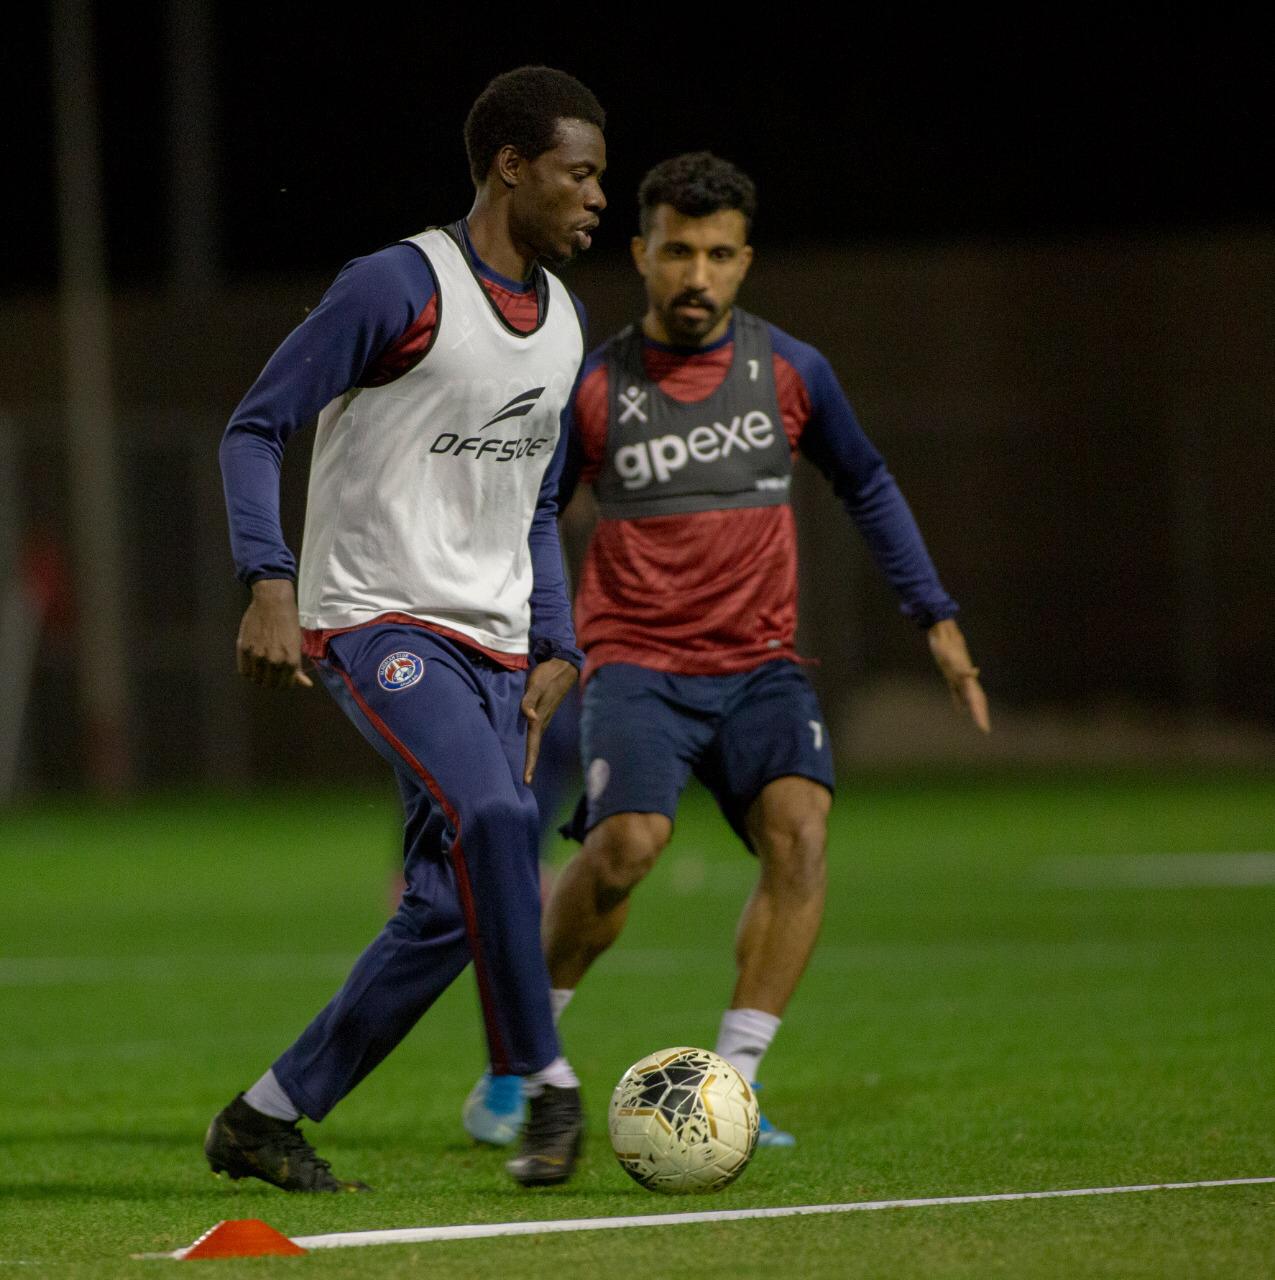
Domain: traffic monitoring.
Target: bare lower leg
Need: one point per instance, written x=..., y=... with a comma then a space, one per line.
x=776, y=935
x=780, y=922
x=579, y=925
x=590, y=900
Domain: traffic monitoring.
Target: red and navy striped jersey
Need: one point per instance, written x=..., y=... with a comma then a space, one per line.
x=714, y=592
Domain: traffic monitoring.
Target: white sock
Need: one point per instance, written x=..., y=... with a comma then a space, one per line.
x=744, y=1037
x=268, y=1097
x=558, y=1073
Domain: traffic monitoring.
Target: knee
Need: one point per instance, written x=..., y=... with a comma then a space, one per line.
x=501, y=820
x=499, y=831
x=622, y=849
x=793, y=852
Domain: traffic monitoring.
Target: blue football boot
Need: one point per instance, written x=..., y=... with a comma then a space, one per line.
x=767, y=1134
x=494, y=1111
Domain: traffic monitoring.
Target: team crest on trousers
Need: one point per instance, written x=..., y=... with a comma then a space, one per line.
x=400, y=670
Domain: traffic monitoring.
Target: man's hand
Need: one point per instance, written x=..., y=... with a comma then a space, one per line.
x=268, y=651
x=947, y=644
x=547, y=685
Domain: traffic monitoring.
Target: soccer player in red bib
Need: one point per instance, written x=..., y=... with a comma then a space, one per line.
x=686, y=426
x=432, y=601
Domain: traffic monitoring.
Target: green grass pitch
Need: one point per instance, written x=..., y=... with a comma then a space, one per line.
x=1017, y=988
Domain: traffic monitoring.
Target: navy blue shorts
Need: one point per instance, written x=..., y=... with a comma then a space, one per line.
x=643, y=733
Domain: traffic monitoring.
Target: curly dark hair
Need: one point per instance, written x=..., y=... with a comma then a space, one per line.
x=696, y=184
x=522, y=108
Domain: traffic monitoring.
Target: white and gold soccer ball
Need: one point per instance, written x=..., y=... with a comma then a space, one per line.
x=683, y=1121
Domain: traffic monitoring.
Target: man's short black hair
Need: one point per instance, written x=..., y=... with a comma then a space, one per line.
x=696, y=184
x=522, y=108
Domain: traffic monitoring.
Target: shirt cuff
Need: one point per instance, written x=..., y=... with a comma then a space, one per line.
x=925, y=616
x=543, y=650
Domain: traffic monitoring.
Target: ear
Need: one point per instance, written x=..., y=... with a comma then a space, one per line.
x=508, y=165
x=637, y=247
x=745, y=259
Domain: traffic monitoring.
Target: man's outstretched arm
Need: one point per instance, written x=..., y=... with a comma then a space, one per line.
x=835, y=442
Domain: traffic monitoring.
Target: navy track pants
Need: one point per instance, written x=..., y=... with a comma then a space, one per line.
x=448, y=722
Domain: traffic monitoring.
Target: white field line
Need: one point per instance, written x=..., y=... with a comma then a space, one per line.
x=429, y=1235
x=1161, y=871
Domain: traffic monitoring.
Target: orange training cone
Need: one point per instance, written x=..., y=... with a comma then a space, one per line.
x=240, y=1238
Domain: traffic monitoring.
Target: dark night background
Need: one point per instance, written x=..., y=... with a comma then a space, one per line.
x=1040, y=252
x=338, y=132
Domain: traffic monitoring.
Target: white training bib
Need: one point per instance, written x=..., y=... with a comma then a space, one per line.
x=422, y=491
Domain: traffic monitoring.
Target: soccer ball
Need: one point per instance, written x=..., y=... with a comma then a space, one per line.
x=683, y=1121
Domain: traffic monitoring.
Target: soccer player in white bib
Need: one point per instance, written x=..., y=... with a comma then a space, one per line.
x=686, y=425
x=431, y=600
